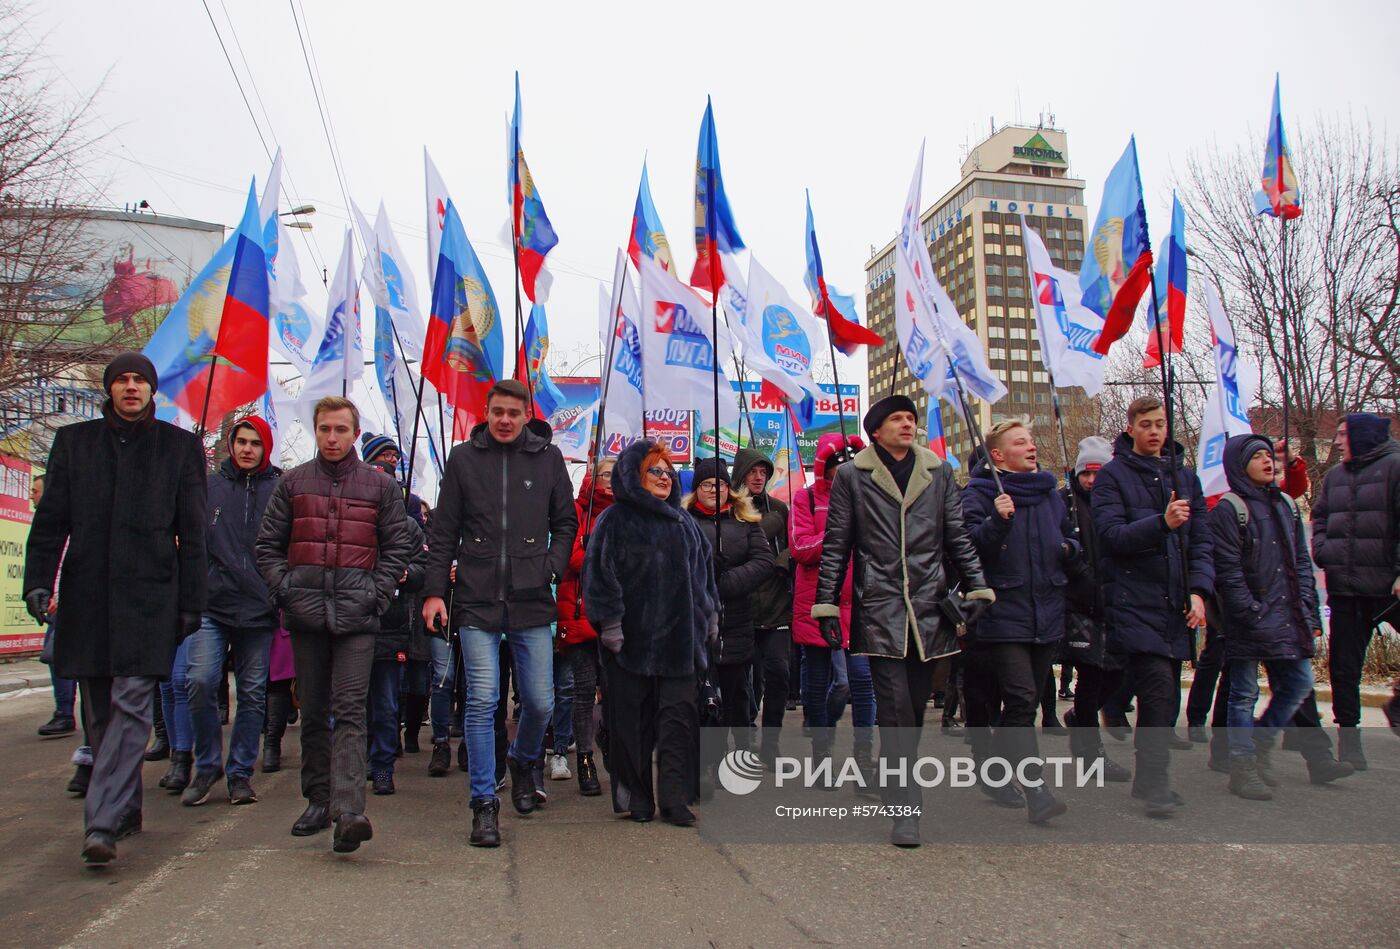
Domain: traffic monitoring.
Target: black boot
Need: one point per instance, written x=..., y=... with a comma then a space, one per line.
x=905, y=832
x=865, y=763
x=279, y=704
x=1219, y=751
x=486, y=830
x=1349, y=748
x=522, y=785
x=160, y=748
x=177, y=778
x=588, y=784
x=441, y=761
x=1041, y=805
x=82, y=776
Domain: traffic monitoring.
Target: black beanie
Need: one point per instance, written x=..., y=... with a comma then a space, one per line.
x=886, y=407
x=129, y=362
x=707, y=468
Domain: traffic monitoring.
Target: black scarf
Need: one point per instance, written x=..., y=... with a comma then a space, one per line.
x=899, y=470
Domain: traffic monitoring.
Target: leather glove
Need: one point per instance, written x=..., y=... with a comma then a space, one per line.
x=37, y=603
x=830, y=627
x=973, y=610
x=189, y=622
x=712, y=632
x=611, y=637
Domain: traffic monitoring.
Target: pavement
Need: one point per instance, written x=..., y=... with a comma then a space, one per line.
x=576, y=875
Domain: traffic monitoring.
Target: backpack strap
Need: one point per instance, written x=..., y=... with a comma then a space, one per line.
x=1241, y=509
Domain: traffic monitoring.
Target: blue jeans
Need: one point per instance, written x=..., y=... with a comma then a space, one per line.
x=1290, y=681
x=444, y=682
x=174, y=702
x=207, y=648
x=64, y=691
x=532, y=653
x=383, y=714
x=832, y=679
x=563, y=702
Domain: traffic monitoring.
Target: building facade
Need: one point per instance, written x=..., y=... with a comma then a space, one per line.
x=975, y=243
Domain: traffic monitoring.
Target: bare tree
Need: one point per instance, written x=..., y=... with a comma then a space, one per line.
x=51, y=323
x=1320, y=306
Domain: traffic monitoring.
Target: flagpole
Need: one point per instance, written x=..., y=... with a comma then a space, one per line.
x=600, y=424
x=208, y=390
x=1287, y=357
x=1174, y=461
x=710, y=228
x=515, y=255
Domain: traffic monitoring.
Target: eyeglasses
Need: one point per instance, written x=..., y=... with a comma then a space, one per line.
x=708, y=486
x=603, y=476
x=659, y=473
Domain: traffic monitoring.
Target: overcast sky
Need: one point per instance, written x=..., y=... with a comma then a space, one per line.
x=827, y=97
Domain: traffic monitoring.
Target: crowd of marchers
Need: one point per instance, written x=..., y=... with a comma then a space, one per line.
x=621, y=620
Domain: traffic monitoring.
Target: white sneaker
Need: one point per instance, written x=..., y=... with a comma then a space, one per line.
x=559, y=768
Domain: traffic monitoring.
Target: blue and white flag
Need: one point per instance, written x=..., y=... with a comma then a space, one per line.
x=1067, y=327
x=1227, y=406
x=575, y=438
x=936, y=342
x=340, y=358
x=620, y=335
x=678, y=355
x=293, y=327
x=779, y=338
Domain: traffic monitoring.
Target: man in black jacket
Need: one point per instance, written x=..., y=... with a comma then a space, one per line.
x=125, y=497
x=896, y=508
x=1356, y=541
x=771, y=606
x=506, y=514
x=333, y=547
x=1157, y=571
x=240, y=617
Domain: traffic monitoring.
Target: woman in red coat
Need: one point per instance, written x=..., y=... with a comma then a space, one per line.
x=578, y=641
x=831, y=678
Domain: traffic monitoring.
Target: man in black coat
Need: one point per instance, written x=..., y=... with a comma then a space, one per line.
x=125, y=495
x=771, y=604
x=1151, y=521
x=506, y=515
x=896, y=508
x=240, y=617
x=1356, y=541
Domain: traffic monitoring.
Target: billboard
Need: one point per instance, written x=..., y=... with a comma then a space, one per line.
x=761, y=421
x=18, y=632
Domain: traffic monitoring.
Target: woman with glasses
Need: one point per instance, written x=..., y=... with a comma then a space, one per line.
x=743, y=563
x=649, y=591
x=578, y=644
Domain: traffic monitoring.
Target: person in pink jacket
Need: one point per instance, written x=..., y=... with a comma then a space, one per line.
x=831, y=678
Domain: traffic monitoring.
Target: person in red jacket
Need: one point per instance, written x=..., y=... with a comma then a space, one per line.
x=578, y=640
x=831, y=678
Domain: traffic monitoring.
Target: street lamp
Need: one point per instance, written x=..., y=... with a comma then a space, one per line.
x=300, y=211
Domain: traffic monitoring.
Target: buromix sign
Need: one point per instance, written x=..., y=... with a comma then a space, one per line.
x=18, y=633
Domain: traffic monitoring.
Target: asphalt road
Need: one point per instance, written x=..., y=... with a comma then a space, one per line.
x=575, y=875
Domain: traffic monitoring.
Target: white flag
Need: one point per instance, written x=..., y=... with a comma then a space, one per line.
x=436, y=193
x=293, y=328
x=778, y=335
x=678, y=357
x=1227, y=406
x=340, y=359
x=622, y=380
x=935, y=340
x=1067, y=327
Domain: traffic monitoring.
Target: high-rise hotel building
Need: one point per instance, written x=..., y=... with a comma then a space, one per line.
x=974, y=237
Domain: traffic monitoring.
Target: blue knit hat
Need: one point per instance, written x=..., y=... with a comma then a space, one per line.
x=372, y=445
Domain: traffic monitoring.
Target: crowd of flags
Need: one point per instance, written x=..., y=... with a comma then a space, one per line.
x=665, y=343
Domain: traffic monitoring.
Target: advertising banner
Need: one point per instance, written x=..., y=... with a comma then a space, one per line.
x=18, y=632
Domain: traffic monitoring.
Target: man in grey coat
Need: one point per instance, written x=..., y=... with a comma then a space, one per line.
x=896, y=516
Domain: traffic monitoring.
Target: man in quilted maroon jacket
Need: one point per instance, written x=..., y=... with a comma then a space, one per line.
x=333, y=546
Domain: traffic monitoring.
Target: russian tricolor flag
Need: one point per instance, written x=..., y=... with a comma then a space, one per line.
x=715, y=231
x=1171, y=291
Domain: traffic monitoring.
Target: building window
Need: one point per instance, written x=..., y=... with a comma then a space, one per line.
x=1017, y=290
x=993, y=270
x=996, y=353
x=1017, y=312
x=993, y=290
x=995, y=310
x=1018, y=332
x=991, y=227
x=1019, y=375
x=993, y=248
x=1019, y=396
x=1013, y=250
x=1042, y=376
x=995, y=332
x=1015, y=270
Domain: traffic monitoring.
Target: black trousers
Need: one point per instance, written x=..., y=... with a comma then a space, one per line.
x=1350, y=634
x=1003, y=683
x=1209, y=665
x=1092, y=690
x=648, y=715
x=333, y=682
x=772, y=648
x=902, y=690
x=1157, y=682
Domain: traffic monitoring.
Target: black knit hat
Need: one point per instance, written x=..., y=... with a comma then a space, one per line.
x=886, y=407
x=129, y=362
x=707, y=468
